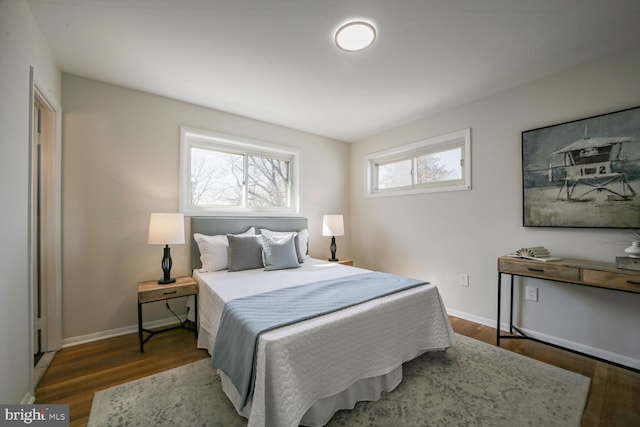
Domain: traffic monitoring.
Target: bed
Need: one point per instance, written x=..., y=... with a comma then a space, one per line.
x=306, y=371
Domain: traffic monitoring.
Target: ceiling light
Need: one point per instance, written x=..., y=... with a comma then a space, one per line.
x=355, y=35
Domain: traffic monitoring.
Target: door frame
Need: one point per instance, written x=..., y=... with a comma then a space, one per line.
x=51, y=223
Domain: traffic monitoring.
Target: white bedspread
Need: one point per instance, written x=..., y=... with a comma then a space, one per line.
x=300, y=364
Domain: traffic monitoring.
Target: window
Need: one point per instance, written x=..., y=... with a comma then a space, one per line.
x=226, y=174
x=441, y=163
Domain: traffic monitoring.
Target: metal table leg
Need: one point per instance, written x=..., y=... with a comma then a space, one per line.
x=498, y=316
x=140, y=328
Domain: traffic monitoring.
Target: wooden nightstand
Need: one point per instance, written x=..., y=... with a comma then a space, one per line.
x=151, y=291
x=346, y=262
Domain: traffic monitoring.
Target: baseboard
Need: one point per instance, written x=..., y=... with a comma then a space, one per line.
x=42, y=366
x=594, y=351
x=473, y=318
x=28, y=399
x=83, y=339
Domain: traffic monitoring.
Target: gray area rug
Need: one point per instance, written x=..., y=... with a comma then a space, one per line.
x=471, y=384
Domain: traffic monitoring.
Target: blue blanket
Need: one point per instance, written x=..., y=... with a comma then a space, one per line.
x=244, y=319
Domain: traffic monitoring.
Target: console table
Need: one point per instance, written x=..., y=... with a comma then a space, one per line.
x=574, y=272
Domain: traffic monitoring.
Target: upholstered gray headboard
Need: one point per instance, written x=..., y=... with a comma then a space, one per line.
x=212, y=226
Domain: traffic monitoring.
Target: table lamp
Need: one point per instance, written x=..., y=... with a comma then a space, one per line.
x=166, y=229
x=333, y=225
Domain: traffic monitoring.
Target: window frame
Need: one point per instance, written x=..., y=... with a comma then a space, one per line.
x=204, y=139
x=412, y=151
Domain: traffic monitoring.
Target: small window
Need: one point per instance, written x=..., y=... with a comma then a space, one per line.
x=226, y=174
x=436, y=164
x=394, y=174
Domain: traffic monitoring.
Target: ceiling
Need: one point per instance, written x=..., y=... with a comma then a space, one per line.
x=275, y=60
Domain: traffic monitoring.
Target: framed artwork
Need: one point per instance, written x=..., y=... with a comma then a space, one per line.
x=583, y=173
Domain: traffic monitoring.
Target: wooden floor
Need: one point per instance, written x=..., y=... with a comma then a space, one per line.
x=76, y=373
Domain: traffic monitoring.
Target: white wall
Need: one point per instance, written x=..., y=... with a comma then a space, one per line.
x=21, y=46
x=121, y=162
x=439, y=236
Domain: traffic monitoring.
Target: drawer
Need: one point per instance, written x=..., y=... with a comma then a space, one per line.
x=606, y=279
x=539, y=269
x=170, y=292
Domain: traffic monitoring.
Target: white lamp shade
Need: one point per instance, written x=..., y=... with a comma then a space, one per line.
x=166, y=229
x=332, y=225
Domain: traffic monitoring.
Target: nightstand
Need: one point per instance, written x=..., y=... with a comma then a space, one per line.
x=346, y=262
x=151, y=291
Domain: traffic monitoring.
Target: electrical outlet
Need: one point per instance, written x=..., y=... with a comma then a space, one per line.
x=531, y=293
x=464, y=280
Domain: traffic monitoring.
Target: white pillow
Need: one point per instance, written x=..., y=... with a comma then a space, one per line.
x=214, y=250
x=303, y=236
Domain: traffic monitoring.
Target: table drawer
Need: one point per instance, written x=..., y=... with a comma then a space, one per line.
x=539, y=269
x=171, y=292
x=628, y=282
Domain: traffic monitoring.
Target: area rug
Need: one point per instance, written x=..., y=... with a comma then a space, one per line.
x=470, y=384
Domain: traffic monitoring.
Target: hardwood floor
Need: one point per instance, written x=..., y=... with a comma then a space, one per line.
x=76, y=373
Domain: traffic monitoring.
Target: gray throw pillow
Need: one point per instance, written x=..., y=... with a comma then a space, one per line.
x=245, y=252
x=279, y=253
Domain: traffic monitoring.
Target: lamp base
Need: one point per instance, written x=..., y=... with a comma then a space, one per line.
x=333, y=249
x=166, y=267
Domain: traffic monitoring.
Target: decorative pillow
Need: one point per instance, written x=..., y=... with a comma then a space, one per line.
x=303, y=240
x=214, y=250
x=279, y=253
x=245, y=252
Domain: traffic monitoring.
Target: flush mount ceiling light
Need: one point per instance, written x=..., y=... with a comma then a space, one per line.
x=355, y=35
